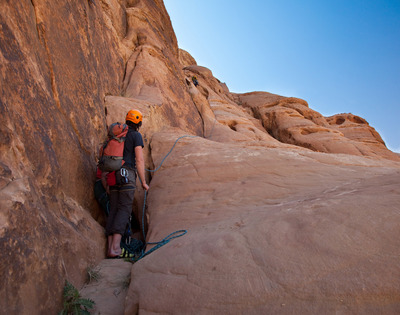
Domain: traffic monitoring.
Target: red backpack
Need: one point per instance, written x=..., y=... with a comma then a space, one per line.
x=112, y=151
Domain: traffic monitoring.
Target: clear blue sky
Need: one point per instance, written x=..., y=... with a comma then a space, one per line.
x=341, y=56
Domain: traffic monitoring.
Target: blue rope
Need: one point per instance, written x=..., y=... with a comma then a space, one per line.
x=169, y=237
x=155, y=170
x=175, y=234
x=164, y=241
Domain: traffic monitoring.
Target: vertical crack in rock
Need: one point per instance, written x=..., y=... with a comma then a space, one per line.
x=128, y=76
x=257, y=115
x=41, y=30
x=203, y=123
x=150, y=162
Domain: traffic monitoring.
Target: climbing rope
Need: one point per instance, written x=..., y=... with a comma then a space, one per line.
x=175, y=234
x=162, y=161
x=169, y=237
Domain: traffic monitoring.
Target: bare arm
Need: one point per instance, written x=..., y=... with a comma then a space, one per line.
x=140, y=166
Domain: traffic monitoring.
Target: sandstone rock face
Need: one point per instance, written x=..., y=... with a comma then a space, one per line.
x=52, y=119
x=270, y=230
x=355, y=128
x=287, y=211
x=290, y=120
x=273, y=227
x=185, y=59
x=58, y=62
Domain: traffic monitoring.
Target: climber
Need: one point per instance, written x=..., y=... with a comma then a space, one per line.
x=121, y=194
x=195, y=82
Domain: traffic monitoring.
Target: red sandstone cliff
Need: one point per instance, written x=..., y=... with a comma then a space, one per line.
x=287, y=210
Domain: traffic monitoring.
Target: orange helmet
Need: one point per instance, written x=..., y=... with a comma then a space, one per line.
x=134, y=116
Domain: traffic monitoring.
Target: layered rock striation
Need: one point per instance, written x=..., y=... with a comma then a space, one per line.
x=287, y=211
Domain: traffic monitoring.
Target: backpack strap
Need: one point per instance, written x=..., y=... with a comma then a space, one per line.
x=103, y=147
x=122, y=139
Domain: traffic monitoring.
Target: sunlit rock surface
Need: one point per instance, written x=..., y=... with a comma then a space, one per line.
x=287, y=211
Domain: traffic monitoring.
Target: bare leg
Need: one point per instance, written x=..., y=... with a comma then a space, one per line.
x=115, y=249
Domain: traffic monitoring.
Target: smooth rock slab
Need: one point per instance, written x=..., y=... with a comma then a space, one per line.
x=269, y=231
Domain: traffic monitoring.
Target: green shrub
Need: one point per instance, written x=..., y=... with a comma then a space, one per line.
x=74, y=303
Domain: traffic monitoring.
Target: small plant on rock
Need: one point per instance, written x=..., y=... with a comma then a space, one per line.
x=74, y=303
x=93, y=274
